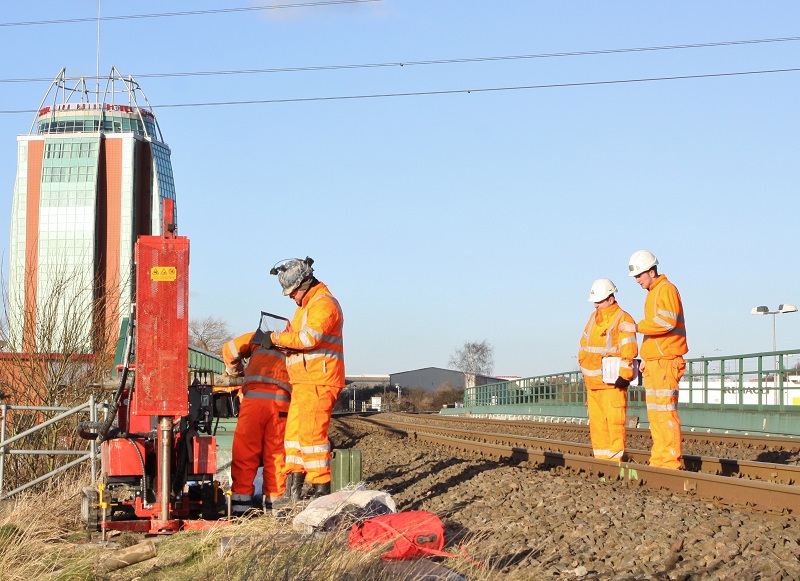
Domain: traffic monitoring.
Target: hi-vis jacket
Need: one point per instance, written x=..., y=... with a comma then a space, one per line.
x=265, y=370
x=663, y=326
x=602, y=338
x=315, y=337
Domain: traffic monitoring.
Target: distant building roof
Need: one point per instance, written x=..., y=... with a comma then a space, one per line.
x=432, y=378
x=366, y=380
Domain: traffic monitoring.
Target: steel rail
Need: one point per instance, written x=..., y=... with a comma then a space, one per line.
x=778, y=443
x=766, y=471
x=773, y=497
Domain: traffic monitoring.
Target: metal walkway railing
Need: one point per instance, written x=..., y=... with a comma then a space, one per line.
x=90, y=454
x=748, y=381
x=753, y=393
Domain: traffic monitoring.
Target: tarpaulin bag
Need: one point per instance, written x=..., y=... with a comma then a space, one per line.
x=405, y=535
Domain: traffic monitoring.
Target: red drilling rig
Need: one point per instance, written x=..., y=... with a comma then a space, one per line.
x=158, y=450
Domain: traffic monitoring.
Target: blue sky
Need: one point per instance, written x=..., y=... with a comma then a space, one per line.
x=440, y=219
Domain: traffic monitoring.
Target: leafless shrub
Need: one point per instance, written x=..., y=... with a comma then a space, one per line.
x=209, y=333
x=58, y=350
x=419, y=399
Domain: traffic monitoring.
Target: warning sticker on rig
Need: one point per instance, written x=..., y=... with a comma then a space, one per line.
x=163, y=273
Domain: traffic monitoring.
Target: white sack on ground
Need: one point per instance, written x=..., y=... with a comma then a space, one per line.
x=352, y=503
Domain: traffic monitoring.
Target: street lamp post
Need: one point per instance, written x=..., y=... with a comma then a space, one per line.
x=762, y=310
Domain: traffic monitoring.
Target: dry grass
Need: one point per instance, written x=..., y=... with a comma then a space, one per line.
x=41, y=538
x=40, y=532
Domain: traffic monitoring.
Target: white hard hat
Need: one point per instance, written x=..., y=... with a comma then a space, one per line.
x=641, y=261
x=292, y=273
x=602, y=288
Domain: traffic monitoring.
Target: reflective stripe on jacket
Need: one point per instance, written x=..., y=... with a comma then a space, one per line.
x=663, y=326
x=316, y=335
x=602, y=338
x=265, y=369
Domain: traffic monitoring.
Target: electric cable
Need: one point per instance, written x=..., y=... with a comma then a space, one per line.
x=186, y=13
x=314, y=68
x=454, y=91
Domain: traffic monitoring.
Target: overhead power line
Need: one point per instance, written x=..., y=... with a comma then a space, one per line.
x=475, y=59
x=479, y=90
x=454, y=91
x=187, y=13
x=441, y=61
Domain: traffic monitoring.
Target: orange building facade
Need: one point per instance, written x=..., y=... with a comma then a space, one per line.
x=92, y=175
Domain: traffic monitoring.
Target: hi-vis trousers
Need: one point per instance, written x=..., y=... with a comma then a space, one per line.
x=661, y=377
x=607, y=410
x=258, y=440
x=307, y=446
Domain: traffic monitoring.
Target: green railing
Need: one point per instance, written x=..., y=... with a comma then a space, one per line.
x=768, y=381
x=200, y=359
x=754, y=381
x=558, y=388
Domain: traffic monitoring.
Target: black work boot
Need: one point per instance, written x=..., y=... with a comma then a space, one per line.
x=284, y=502
x=242, y=505
x=296, y=485
x=321, y=490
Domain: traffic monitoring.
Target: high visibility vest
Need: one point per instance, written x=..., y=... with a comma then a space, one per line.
x=265, y=369
x=602, y=338
x=663, y=327
x=314, y=338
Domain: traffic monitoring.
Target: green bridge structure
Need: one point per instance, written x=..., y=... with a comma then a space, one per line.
x=756, y=393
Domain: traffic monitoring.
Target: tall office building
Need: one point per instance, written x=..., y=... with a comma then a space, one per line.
x=92, y=174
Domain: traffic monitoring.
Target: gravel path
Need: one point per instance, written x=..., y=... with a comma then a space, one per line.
x=526, y=523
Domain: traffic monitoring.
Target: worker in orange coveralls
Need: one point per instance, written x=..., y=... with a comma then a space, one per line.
x=258, y=439
x=316, y=370
x=663, y=348
x=603, y=344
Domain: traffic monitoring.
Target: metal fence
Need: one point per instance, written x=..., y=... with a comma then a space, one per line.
x=769, y=380
x=753, y=381
x=567, y=387
x=205, y=360
x=83, y=450
x=89, y=407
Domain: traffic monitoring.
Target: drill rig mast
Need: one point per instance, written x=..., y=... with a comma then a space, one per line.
x=159, y=460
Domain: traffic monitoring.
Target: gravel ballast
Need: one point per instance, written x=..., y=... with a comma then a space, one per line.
x=527, y=523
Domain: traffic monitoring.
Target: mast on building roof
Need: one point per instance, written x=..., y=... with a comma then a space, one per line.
x=64, y=90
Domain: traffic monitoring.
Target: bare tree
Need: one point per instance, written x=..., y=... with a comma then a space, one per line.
x=55, y=353
x=3, y=333
x=474, y=358
x=209, y=333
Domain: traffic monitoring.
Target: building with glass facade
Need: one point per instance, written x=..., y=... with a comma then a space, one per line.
x=93, y=174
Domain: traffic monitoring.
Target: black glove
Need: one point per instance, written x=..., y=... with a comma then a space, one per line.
x=266, y=342
x=621, y=383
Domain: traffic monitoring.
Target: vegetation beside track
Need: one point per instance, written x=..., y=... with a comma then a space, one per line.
x=41, y=537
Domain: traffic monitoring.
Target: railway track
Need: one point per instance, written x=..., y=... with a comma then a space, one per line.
x=754, y=441
x=761, y=486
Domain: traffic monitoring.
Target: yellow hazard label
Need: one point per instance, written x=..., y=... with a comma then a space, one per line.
x=163, y=273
